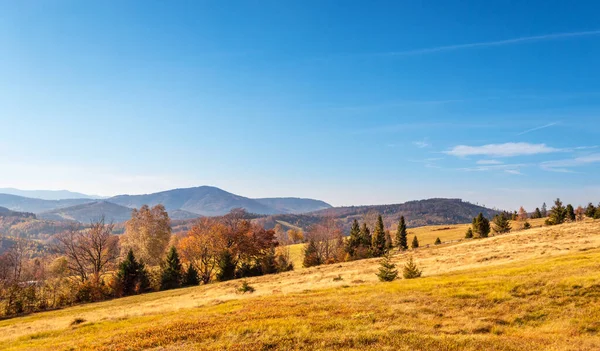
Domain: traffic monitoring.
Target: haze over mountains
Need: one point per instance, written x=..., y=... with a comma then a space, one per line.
x=49, y=194
x=180, y=203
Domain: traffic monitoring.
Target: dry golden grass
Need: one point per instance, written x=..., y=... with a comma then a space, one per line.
x=531, y=290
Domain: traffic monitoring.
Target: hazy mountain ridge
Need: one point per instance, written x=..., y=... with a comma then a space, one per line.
x=48, y=194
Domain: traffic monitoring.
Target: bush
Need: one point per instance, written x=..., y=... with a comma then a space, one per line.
x=437, y=241
x=245, y=288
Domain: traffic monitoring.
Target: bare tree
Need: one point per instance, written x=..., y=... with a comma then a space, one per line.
x=328, y=238
x=89, y=252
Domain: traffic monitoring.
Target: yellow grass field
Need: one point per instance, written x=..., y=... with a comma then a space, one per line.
x=530, y=290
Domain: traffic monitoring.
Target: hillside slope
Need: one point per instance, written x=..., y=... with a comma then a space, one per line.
x=530, y=290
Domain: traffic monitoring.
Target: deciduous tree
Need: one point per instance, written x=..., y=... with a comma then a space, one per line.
x=148, y=233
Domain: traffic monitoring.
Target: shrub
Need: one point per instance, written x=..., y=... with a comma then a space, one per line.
x=245, y=288
x=437, y=241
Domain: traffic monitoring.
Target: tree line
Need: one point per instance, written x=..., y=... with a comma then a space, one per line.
x=90, y=263
x=326, y=243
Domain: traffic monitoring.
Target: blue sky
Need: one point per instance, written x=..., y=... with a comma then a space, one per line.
x=350, y=102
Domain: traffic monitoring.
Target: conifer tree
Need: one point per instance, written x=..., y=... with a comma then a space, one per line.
x=570, y=213
x=558, y=213
x=526, y=225
x=311, y=255
x=171, y=271
x=437, y=241
x=226, y=266
x=415, y=243
x=365, y=236
x=191, y=277
x=544, y=212
x=537, y=213
x=590, y=210
x=410, y=270
x=132, y=276
x=387, y=270
x=378, y=239
x=354, y=239
x=401, y=240
x=481, y=226
x=501, y=224
x=597, y=213
x=469, y=233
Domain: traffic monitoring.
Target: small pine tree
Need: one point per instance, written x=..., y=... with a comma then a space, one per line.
x=481, y=226
x=401, y=240
x=570, y=213
x=501, y=224
x=537, y=213
x=415, y=243
x=558, y=213
x=526, y=225
x=410, y=270
x=437, y=241
x=597, y=213
x=544, y=212
x=132, y=277
x=387, y=270
x=590, y=210
x=469, y=233
x=191, y=277
x=311, y=255
x=389, y=244
x=378, y=239
x=226, y=267
x=171, y=271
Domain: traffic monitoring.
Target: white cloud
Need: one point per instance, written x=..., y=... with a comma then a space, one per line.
x=501, y=150
x=563, y=166
x=489, y=162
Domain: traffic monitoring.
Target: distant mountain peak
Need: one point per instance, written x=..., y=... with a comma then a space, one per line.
x=48, y=194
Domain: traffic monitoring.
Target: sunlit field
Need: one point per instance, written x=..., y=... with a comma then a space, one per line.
x=529, y=290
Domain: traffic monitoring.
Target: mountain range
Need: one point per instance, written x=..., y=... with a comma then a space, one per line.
x=48, y=194
x=180, y=203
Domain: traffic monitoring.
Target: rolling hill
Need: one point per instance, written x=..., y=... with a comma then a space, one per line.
x=294, y=205
x=417, y=213
x=85, y=213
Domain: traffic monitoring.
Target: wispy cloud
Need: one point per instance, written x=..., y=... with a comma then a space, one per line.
x=538, y=128
x=508, y=168
x=421, y=144
x=512, y=41
x=501, y=150
x=513, y=171
x=489, y=162
x=563, y=166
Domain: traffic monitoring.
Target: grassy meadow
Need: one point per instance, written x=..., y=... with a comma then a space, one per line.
x=530, y=290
